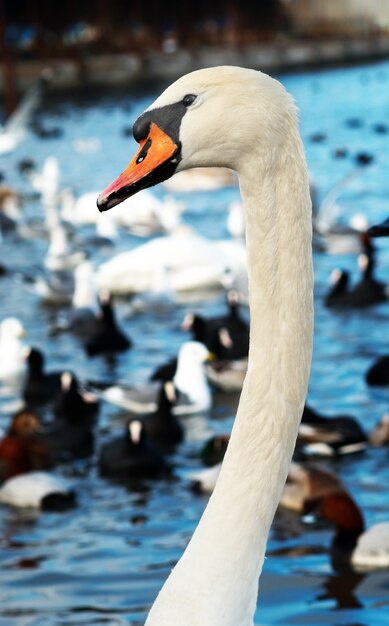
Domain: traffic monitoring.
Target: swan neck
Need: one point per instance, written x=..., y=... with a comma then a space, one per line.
x=217, y=577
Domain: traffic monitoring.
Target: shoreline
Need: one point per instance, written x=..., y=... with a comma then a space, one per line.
x=117, y=70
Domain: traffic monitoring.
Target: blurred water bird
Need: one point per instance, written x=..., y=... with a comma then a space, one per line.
x=10, y=214
x=62, y=254
x=72, y=402
x=378, y=374
x=40, y=386
x=70, y=436
x=55, y=287
x=12, y=363
x=194, y=263
x=22, y=449
x=306, y=486
x=161, y=425
x=108, y=338
x=352, y=545
x=367, y=292
x=15, y=128
x=380, y=230
x=38, y=490
x=330, y=436
x=131, y=456
x=193, y=392
x=226, y=336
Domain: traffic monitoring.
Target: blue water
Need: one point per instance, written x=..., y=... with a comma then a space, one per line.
x=104, y=562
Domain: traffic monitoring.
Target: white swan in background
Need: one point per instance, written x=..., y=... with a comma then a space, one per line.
x=12, y=360
x=253, y=125
x=15, y=128
x=46, y=182
x=62, y=254
x=340, y=238
x=143, y=215
x=194, y=263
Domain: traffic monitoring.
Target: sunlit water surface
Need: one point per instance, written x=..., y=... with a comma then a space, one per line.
x=104, y=562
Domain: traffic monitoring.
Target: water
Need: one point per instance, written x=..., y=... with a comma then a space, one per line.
x=104, y=562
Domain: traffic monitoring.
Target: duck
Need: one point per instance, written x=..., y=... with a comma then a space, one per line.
x=378, y=374
x=204, y=480
x=71, y=434
x=379, y=434
x=12, y=362
x=253, y=124
x=352, y=546
x=72, y=403
x=131, y=455
x=38, y=490
x=193, y=392
x=39, y=386
x=227, y=375
x=108, y=338
x=330, y=436
x=214, y=449
x=306, y=486
x=227, y=336
x=194, y=262
x=380, y=230
x=162, y=426
x=367, y=292
x=22, y=449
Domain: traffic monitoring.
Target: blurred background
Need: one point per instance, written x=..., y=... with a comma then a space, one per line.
x=124, y=335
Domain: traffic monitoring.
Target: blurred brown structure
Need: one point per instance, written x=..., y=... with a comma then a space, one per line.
x=48, y=29
x=334, y=18
x=100, y=42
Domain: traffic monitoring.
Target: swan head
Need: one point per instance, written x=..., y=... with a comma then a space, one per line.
x=210, y=117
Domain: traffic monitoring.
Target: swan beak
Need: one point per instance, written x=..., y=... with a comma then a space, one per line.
x=154, y=162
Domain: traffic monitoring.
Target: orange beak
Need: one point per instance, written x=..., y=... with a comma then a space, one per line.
x=154, y=162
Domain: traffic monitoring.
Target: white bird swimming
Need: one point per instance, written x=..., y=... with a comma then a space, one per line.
x=244, y=120
x=194, y=263
x=190, y=381
x=37, y=490
x=12, y=361
x=15, y=128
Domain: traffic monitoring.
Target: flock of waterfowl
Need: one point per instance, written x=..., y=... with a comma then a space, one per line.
x=53, y=419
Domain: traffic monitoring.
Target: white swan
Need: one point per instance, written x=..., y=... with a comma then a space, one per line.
x=15, y=128
x=193, y=263
x=144, y=215
x=12, y=361
x=244, y=120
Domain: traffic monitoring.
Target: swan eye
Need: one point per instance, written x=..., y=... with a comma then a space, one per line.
x=188, y=99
